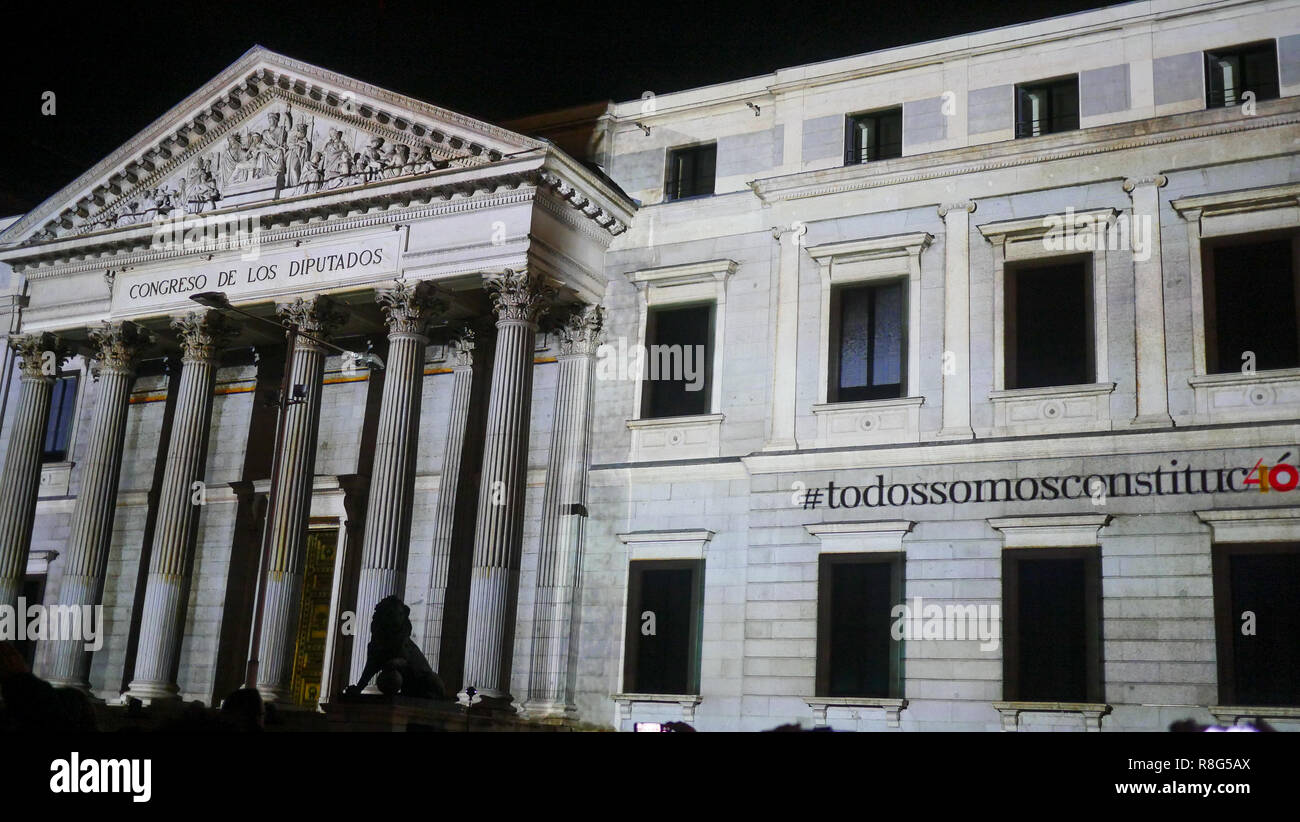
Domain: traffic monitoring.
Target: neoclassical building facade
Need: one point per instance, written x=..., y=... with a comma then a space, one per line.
x=954, y=386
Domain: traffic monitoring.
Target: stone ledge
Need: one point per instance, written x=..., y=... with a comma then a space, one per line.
x=1235, y=714
x=688, y=702
x=891, y=707
x=1090, y=712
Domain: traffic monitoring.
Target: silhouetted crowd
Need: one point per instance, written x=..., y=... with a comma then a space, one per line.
x=29, y=704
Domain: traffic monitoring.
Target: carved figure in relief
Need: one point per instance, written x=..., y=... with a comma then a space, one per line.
x=297, y=151
x=311, y=176
x=421, y=161
x=338, y=160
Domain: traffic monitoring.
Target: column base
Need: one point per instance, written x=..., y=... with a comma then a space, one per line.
x=781, y=445
x=150, y=692
x=557, y=713
x=1161, y=420
x=491, y=702
x=961, y=433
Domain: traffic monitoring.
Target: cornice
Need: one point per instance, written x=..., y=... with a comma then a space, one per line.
x=1015, y=153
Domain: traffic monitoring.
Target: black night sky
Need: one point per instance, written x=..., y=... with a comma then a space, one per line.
x=116, y=68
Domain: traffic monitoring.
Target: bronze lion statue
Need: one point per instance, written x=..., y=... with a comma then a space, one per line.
x=399, y=663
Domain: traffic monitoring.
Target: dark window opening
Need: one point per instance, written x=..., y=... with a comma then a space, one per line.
x=63, y=406
x=1052, y=625
x=1257, y=616
x=1048, y=336
x=868, y=342
x=691, y=172
x=663, y=627
x=1251, y=303
x=1231, y=72
x=874, y=136
x=1047, y=107
x=857, y=655
x=678, y=366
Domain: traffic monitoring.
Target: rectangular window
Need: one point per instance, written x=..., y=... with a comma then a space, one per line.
x=1047, y=107
x=691, y=172
x=1231, y=72
x=877, y=135
x=665, y=600
x=678, y=366
x=63, y=406
x=868, y=342
x=1251, y=302
x=1257, y=617
x=1049, y=325
x=857, y=655
x=1052, y=625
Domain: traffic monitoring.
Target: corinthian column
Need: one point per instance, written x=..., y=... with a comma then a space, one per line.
x=462, y=357
x=407, y=310
x=202, y=334
x=519, y=299
x=563, y=516
x=20, y=483
x=116, y=348
x=292, y=497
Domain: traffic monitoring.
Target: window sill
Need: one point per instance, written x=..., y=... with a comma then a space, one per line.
x=1234, y=396
x=891, y=707
x=1090, y=712
x=1021, y=411
x=868, y=422
x=698, y=436
x=54, y=479
x=1235, y=714
x=688, y=702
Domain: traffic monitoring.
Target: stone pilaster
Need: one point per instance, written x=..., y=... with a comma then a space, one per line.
x=785, y=342
x=202, y=335
x=20, y=483
x=116, y=350
x=956, y=320
x=519, y=299
x=1149, y=297
x=461, y=354
x=563, y=518
x=291, y=497
x=387, y=539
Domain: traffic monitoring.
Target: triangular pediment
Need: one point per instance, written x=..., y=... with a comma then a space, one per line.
x=266, y=129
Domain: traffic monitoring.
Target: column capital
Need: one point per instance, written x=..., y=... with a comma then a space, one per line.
x=518, y=296
x=35, y=350
x=1157, y=180
x=968, y=206
x=408, y=307
x=580, y=330
x=117, y=347
x=460, y=348
x=318, y=316
x=203, y=334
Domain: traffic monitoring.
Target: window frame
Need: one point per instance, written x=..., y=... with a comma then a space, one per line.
x=1208, y=296
x=631, y=637
x=826, y=562
x=672, y=193
x=75, y=404
x=647, y=387
x=853, y=152
x=834, y=390
x=1226, y=621
x=1010, y=336
x=1265, y=92
x=1021, y=90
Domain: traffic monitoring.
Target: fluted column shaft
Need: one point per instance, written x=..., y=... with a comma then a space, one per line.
x=162, y=622
x=518, y=299
x=387, y=537
x=117, y=345
x=21, y=480
x=448, y=481
x=291, y=511
x=563, y=518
